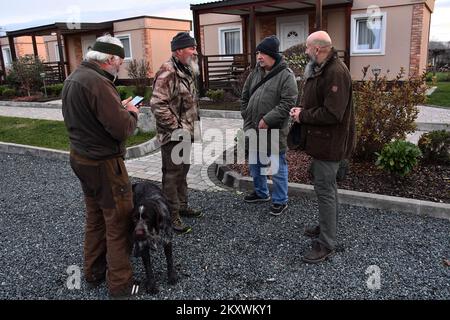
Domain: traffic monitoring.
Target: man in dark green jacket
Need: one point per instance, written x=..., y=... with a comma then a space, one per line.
x=269, y=93
x=327, y=134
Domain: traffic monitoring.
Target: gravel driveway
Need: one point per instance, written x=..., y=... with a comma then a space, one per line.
x=238, y=251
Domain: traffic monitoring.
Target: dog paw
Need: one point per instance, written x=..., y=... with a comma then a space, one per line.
x=173, y=279
x=152, y=288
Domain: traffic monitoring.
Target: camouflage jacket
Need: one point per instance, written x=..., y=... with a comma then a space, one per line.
x=174, y=102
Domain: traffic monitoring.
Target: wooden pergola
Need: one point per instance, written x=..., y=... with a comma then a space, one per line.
x=60, y=30
x=248, y=10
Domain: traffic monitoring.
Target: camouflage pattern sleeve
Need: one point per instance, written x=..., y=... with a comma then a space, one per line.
x=160, y=102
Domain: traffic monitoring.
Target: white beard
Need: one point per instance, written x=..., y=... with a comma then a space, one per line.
x=309, y=69
x=193, y=65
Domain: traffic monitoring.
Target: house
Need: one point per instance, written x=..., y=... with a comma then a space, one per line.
x=23, y=46
x=66, y=44
x=386, y=34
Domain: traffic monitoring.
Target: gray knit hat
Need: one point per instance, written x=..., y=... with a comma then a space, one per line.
x=182, y=40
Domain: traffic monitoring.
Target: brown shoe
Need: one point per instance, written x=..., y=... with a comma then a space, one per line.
x=312, y=231
x=179, y=227
x=191, y=213
x=318, y=253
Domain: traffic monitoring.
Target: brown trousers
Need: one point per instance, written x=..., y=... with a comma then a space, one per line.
x=109, y=203
x=174, y=180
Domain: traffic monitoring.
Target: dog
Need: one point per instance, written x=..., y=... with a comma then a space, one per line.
x=152, y=227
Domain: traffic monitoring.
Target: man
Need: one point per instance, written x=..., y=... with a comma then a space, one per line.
x=327, y=134
x=175, y=105
x=98, y=124
x=269, y=93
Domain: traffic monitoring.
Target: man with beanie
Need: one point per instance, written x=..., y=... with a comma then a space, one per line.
x=327, y=116
x=175, y=105
x=269, y=93
x=98, y=124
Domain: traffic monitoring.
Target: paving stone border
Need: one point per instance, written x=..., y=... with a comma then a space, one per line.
x=132, y=152
x=370, y=200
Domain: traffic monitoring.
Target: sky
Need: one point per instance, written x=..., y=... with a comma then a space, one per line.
x=21, y=14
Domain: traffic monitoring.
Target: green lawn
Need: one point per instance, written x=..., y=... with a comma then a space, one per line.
x=45, y=133
x=441, y=96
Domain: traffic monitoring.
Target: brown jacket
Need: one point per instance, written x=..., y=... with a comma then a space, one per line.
x=97, y=123
x=328, y=117
x=174, y=100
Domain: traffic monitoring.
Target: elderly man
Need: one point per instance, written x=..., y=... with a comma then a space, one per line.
x=175, y=105
x=98, y=124
x=328, y=135
x=269, y=93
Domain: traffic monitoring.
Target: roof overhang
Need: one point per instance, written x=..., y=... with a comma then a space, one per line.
x=61, y=27
x=242, y=7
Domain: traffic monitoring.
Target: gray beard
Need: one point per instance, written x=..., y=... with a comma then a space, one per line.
x=193, y=65
x=309, y=69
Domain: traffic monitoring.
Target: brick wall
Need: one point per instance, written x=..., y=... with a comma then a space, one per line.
x=147, y=47
x=416, y=37
x=268, y=27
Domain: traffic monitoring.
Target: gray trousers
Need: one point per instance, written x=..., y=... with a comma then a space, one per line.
x=324, y=177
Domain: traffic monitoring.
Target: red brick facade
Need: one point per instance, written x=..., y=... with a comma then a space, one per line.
x=268, y=26
x=416, y=38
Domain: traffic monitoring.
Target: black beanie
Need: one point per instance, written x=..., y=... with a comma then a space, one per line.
x=270, y=46
x=182, y=40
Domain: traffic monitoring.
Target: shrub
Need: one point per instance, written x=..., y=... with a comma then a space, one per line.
x=54, y=89
x=9, y=93
x=435, y=146
x=139, y=71
x=386, y=111
x=26, y=73
x=126, y=91
x=297, y=59
x=3, y=88
x=398, y=157
x=215, y=95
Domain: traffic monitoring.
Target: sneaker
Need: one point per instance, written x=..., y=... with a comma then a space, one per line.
x=318, y=253
x=191, y=213
x=312, y=231
x=253, y=197
x=133, y=290
x=277, y=209
x=179, y=227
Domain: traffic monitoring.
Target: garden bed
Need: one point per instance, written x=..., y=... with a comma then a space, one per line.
x=425, y=182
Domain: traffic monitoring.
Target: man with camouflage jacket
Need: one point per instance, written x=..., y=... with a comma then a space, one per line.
x=174, y=104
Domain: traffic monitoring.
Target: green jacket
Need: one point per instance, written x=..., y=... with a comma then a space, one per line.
x=272, y=102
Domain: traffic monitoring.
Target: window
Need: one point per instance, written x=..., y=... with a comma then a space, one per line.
x=7, y=58
x=230, y=40
x=126, y=45
x=368, y=34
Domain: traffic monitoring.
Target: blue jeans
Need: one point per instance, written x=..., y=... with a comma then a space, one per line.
x=279, y=171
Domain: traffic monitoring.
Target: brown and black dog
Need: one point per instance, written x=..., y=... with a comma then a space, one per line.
x=152, y=227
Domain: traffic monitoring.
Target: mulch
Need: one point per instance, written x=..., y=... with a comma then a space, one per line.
x=430, y=182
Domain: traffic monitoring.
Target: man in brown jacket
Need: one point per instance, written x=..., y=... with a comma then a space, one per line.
x=174, y=103
x=98, y=124
x=328, y=134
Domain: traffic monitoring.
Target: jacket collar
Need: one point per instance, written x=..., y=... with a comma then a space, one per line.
x=96, y=68
x=278, y=64
x=182, y=70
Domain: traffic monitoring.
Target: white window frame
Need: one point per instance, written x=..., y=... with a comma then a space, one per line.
x=354, y=51
x=7, y=65
x=120, y=37
x=221, y=37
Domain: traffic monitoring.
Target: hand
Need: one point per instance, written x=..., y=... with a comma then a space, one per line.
x=295, y=113
x=128, y=106
x=262, y=124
